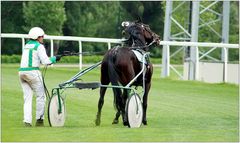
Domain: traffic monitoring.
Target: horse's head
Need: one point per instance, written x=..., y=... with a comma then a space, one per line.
x=140, y=34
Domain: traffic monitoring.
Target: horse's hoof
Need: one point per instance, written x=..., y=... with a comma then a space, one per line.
x=115, y=121
x=97, y=122
x=125, y=123
x=144, y=122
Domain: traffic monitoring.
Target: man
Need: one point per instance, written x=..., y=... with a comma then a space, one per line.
x=33, y=54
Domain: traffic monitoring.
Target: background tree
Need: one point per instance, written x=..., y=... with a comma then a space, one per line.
x=12, y=21
x=91, y=19
x=234, y=30
x=151, y=13
x=48, y=15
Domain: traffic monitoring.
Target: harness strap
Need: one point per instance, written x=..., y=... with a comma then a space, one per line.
x=139, y=54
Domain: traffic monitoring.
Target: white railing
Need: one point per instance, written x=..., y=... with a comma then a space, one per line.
x=199, y=44
x=165, y=64
x=109, y=41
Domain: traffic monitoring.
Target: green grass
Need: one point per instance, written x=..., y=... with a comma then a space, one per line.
x=178, y=111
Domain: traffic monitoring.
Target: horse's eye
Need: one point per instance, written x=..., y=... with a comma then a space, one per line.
x=125, y=24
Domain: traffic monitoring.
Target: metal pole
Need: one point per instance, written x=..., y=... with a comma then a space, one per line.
x=225, y=36
x=80, y=55
x=23, y=43
x=167, y=32
x=187, y=52
x=225, y=69
x=194, y=55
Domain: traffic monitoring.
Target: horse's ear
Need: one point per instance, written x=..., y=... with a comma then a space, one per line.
x=139, y=19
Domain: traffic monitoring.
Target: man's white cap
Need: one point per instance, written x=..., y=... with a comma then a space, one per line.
x=35, y=32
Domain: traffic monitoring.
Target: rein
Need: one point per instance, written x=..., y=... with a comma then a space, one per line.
x=141, y=47
x=44, y=84
x=68, y=53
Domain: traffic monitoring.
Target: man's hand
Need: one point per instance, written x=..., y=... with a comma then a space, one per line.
x=58, y=57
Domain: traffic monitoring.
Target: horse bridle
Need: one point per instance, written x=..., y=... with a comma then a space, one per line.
x=141, y=47
x=146, y=28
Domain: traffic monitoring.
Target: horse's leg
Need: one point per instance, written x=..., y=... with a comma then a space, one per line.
x=145, y=101
x=104, y=81
x=148, y=78
x=125, y=95
x=100, y=104
x=115, y=120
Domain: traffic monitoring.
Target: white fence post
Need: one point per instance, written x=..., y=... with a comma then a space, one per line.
x=165, y=61
x=109, y=45
x=80, y=55
x=23, y=43
x=52, y=53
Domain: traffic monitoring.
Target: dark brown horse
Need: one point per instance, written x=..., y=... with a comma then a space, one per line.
x=120, y=65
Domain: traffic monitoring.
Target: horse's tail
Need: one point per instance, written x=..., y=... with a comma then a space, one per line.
x=113, y=77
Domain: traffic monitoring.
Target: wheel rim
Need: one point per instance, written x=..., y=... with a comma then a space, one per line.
x=55, y=118
x=134, y=111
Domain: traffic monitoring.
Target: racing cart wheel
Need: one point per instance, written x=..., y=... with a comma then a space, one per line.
x=134, y=111
x=56, y=113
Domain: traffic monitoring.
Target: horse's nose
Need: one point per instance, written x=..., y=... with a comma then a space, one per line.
x=158, y=41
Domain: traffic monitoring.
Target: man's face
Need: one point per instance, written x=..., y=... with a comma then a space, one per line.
x=40, y=39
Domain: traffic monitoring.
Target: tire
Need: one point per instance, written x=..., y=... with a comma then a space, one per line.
x=56, y=119
x=134, y=111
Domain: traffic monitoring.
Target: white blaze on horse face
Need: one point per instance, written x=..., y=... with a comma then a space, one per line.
x=125, y=24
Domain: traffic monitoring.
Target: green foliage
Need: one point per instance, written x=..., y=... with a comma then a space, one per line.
x=91, y=19
x=234, y=23
x=181, y=15
x=48, y=15
x=11, y=46
x=11, y=17
x=45, y=14
x=10, y=59
x=11, y=22
x=150, y=12
x=94, y=18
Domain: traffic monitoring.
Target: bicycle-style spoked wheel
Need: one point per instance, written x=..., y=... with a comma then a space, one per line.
x=56, y=113
x=134, y=111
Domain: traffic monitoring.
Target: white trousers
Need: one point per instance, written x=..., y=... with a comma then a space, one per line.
x=32, y=81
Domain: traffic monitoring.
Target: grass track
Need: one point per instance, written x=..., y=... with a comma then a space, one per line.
x=177, y=111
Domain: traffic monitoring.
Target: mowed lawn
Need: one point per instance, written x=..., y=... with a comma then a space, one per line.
x=178, y=111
